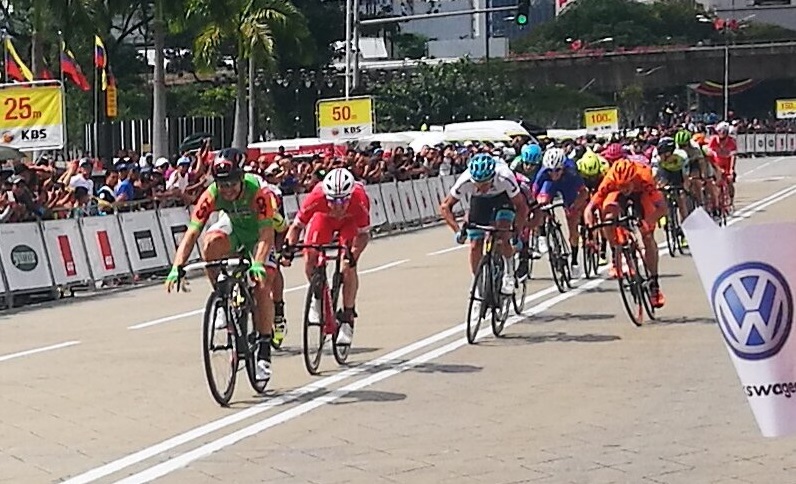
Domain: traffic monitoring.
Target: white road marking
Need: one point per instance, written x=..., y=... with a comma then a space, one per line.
x=449, y=249
x=195, y=312
x=760, y=167
x=38, y=350
x=210, y=427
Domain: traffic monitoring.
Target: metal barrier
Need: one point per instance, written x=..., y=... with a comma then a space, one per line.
x=766, y=144
x=46, y=257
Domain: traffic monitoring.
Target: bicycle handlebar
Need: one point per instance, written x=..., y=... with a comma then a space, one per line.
x=552, y=205
x=610, y=223
x=318, y=247
x=231, y=262
x=485, y=228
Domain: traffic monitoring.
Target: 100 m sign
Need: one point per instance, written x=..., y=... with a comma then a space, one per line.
x=600, y=118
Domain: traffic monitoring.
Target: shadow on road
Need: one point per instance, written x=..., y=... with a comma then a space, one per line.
x=327, y=351
x=562, y=317
x=682, y=320
x=555, y=337
x=359, y=396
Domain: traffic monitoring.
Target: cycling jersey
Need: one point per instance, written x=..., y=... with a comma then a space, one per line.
x=642, y=188
x=315, y=212
x=568, y=185
x=722, y=151
x=672, y=162
x=503, y=182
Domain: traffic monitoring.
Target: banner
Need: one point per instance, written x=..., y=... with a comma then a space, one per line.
x=32, y=116
x=340, y=119
x=786, y=108
x=750, y=292
x=601, y=120
x=24, y=260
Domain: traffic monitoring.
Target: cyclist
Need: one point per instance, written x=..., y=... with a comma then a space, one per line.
x=669, y=172
x=525, y=168
x=722, y=149
x=250, y=227
x=337, y=204
x=495, y=197
x=559, y=174
x=627, y=181
x=592, y=168
x=280, y=323
x=699, y=169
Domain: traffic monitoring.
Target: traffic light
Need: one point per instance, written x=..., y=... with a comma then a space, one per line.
x=523, y=10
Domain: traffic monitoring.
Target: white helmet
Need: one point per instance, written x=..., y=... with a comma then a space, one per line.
x=553, y=159
x=723, y=126
x=338, y=183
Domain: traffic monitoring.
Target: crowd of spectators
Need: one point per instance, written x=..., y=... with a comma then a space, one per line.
x=51, y=189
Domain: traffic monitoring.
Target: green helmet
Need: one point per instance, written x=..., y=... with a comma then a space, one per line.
x=682, y=138
x=589, y=164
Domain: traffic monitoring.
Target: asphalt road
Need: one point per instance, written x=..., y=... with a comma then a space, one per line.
x=113, y=388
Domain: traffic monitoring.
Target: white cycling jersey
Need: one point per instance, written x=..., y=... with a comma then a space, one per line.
x=503, y=182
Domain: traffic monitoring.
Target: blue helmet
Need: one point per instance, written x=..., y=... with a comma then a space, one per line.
x=531, y=154
x=481, y=167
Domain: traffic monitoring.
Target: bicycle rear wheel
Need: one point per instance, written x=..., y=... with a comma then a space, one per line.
x=500, y=313
x=479, y=298
x=629, y=286
x=313, y=336
x=672, y=237
x=340, y=352
x=644, y=281
x=221, y=346
x=518, y=298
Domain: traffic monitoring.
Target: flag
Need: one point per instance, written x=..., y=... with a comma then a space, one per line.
x=15, y=68
x=71, y=69
x=111, y=77
x=101, y=60
x=44, y=73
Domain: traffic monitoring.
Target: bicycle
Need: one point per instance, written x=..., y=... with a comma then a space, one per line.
x=232, y=296
x=328, y=323
x=518, y=298
x=725, y=199
x=593, y=244
x=672, y=227
x=486, y=287
x=634, y=281
x=557, y=248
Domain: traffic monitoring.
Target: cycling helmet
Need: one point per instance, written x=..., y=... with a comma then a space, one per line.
x=613, y=152
x=481, y=167
x=665, y=146
x=578, y=152
x=623, y=172
x=589, y=164
x=553, y=159
x=226, y=166
x=723, y=127
x=338, y=183
x=682, y=138
x=531, y=154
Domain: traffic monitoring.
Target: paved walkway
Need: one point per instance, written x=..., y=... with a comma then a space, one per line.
x=573, y=393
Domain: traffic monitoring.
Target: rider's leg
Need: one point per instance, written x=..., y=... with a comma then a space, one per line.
x=611, y=210
x=503, y=220
x=358, y=242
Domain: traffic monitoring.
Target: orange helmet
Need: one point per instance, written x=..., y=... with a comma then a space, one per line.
x=699, y=138
x=623, y=171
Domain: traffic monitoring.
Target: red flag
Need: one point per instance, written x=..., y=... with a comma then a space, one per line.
x=44, y=74
x=71, y=69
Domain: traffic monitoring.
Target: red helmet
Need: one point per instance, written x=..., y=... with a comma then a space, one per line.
x=613, y=152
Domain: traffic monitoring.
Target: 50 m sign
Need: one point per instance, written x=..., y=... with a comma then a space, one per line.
x=340, y=119
x=32, y=116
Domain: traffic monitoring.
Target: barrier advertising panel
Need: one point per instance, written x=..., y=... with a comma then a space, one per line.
x=67, y=254
x=145, y=246
x=24, y=259
x=174, y=223
x=106, y=252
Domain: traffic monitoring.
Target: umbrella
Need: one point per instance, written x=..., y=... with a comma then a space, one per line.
x=193, y=141
x=8, y=153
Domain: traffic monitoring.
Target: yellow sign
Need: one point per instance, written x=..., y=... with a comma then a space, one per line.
x=786, y=108
x=32, y=116
x=601, y=120
x=111, y=103
x=345, y=118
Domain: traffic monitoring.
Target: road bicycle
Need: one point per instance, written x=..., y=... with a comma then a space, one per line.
x=231, y=298
x=557, y=248
x=672, y=227
x=485, y=293
x=593, y=245
x=315, y=333
x=632, y=273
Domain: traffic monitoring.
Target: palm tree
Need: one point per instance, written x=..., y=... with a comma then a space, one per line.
x=249, y=27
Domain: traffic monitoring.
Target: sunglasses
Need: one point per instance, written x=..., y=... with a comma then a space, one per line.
x=338, y=201
x=227, y=184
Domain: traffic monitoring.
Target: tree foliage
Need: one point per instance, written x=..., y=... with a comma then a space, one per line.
x=464, y=91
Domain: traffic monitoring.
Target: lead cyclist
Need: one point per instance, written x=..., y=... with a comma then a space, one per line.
x=251, y=226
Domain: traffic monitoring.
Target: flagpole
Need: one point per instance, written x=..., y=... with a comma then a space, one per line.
x=61, y=52
x=5, y=56
x=95, y=148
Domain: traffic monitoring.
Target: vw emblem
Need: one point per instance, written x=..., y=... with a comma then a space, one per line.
x=754, y=308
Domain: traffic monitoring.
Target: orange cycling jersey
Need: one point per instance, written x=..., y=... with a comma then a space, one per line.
x=640, y=182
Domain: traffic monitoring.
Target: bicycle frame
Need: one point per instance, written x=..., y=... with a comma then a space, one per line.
x=329, y=295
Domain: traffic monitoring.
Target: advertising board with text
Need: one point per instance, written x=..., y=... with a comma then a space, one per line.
x=342, y=119
x=601, y=120
x=32, y=116
x=786, y=108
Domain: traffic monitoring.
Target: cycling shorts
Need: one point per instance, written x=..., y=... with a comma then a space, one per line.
x=241, y=240
x=322, y=228
x=486, y=210
x=671, y=178
x=644, y=203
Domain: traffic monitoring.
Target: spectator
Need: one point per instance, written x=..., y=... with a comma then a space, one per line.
x=125, y=189
x=83, y=177
x=107, y=194
x=179, y=179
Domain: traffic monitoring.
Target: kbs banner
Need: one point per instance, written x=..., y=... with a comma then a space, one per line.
x=32, y=116
x=751, y=293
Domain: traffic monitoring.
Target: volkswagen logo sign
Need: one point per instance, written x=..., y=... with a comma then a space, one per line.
x=754, y=308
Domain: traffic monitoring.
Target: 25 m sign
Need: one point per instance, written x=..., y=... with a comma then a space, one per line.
x=32, y=116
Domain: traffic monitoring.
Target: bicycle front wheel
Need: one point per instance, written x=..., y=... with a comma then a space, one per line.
x=629, y=285
x=557, y=257
x=518, y=298
x=340, y=352
x=220, y=349
x=480, y=295
x=313, y=335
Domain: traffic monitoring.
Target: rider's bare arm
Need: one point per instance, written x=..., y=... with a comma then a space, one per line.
x=446, y=210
